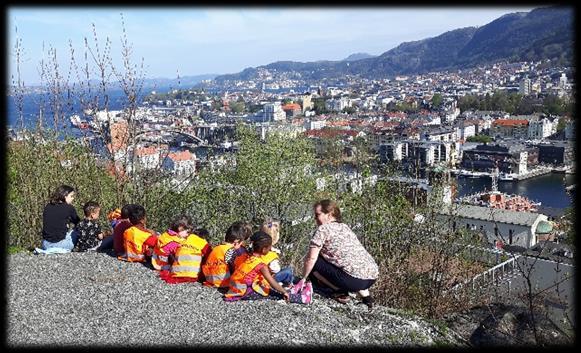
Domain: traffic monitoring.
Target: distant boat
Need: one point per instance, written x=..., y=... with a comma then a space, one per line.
x=472, y=174
x=75, y=120
x=505, y=177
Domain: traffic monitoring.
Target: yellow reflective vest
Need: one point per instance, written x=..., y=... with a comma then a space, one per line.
x=188, y=257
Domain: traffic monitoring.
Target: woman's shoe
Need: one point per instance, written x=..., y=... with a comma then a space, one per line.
x=342, y=297
x=367, y=301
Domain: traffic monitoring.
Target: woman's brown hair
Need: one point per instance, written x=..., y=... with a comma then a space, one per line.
x=329, y=207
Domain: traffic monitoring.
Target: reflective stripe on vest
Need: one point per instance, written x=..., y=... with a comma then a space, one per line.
x=248, y=273
x=188, y=257
x=217, y=279
x=216, y=269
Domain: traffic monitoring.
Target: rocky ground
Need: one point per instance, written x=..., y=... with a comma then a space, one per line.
x=93, y=299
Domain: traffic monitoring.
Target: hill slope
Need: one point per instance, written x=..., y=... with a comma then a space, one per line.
x=544, y=33
x=90, y=299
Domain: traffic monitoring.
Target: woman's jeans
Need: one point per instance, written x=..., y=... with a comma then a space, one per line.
x=68, y=243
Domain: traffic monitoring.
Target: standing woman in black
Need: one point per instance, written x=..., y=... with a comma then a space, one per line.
x=58, y=214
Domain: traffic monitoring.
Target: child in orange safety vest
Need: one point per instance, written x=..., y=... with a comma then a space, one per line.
x=138, y=240
x=252, y=280
x=188, y=258
x=169, y=241
x=283, y=276
x=220, y=263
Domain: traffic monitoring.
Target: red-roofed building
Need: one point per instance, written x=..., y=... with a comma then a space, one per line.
x=514, y=128
x=292, y=109
x=148, y=157
x=181, y=163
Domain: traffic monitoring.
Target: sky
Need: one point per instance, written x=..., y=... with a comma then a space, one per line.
x=186, y=41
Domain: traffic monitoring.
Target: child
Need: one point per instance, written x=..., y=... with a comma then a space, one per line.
x=169, y=241
x=56, y=217
x=252, y=279
x=246, y=247
x=114, y=217
x=285, y=275
x=188, y=259
x=121, y=225
x=138, y=240
x=89, y=231
x=220, y=262
x=202, y=233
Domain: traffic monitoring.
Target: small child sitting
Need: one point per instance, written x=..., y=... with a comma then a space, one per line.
x=252, y=279
x=88, y=230
x=138, y=240
x=114, y=216
x=169, y=241
x=121, y=225
x=188, y=256
x=285, y=275
x=220, y=262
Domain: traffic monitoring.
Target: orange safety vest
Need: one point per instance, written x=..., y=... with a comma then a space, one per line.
x=133, y=239
x=188, y=257
x=248, y=273
x=216, y=269
x=159, y=259
x=266, y=259
x=240, y=259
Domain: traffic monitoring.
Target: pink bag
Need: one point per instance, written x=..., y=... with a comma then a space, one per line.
x=305, y=289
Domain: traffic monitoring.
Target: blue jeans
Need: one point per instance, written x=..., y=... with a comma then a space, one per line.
x=68, y=243
x=285, y=275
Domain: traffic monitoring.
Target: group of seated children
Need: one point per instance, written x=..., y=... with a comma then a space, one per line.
x=182, y=254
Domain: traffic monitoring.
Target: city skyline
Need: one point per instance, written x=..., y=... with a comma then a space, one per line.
x=228, y=40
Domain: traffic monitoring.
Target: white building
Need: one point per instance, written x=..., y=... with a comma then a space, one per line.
x=540, y=128
x=464, y=131
x=338, y=104
x=274, y=112
x=315, y=124
x=563, y=81
x=524, y=87
x=452, y=114
x=510, y=227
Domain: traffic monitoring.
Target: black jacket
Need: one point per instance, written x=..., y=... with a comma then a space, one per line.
x=55, y=219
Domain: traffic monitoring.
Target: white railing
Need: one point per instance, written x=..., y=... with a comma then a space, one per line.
x=491, y=274
x=492, y=271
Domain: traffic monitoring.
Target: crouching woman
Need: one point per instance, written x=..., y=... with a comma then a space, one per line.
x=336, y=259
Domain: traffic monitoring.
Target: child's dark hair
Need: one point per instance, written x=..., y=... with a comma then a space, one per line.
x=137, y=214
x=237, y=231
x=58, y=196
x=202, y=233
x=90, y=207
x=260, y=240
x=248, y=229
x=126, y=210
x=182, y=221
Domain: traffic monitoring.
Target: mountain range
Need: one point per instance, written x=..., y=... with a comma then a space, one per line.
x=543, y=33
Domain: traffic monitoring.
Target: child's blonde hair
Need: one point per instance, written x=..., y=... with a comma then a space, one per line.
x=271, y=227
